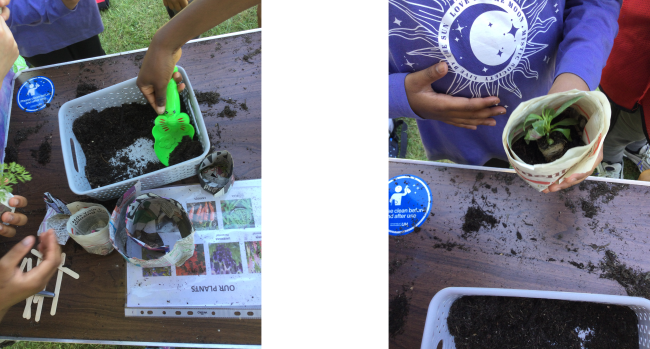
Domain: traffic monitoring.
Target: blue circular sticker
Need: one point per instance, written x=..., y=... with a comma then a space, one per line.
x=409, y=204
x=35, y=94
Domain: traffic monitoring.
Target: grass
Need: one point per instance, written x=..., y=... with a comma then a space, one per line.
x=415, y=150
x=130, y=25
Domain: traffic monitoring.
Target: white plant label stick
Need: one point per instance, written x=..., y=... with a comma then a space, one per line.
x=37, y=297
x=27, y=313
x=22, y=265
x=69, y=272
x=37, y=254
x=57, y=288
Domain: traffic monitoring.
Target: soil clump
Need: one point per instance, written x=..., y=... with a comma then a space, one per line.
x=43, y=154
x=510, y=322
x=635, y=282
x=398, y=310
x=85, y=88
x=209, y=98
x=475, y=218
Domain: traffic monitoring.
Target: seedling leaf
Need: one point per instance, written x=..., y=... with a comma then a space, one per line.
x=566, y=105
x=566, y=122
x=566, y=132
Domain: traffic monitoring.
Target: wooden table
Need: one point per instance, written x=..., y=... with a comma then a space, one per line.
x=538, y=244
x=92, y=308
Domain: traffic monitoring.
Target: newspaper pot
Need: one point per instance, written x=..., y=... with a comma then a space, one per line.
x=141, y=218
x=593, y=105
x=437, y=331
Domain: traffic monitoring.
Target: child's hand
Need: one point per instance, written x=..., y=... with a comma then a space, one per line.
x=566, y=82
x=70, y=4
x=5, y=9
x=175, y=5
x=13, y=218
x=457, y=111
x=574, y=178
x=8, y=48
x=16, y=285
x=157, y=68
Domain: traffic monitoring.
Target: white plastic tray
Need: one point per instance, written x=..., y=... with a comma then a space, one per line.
x=115, y=96
x=435, y=327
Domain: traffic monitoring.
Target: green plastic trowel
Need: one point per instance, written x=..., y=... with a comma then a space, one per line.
x=171, y=126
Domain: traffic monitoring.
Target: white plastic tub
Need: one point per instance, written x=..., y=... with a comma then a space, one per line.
x=115, y=96
x=435, y=327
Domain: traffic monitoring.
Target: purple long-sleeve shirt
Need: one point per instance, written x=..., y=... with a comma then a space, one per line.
x=43, y=26
x=513, y=49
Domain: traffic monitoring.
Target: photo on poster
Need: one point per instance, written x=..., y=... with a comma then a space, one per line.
x=254, y=256
x=225, y=258
x=237, y=214
x=203, y=215
x=195, y=265
x=158, y=271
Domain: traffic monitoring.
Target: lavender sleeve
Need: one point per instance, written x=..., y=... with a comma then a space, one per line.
x=398, y=104
x=590, y=27
x=29, y=12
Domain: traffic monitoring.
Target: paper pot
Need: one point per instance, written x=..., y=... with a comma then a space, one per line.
x=143, y=220
x=593, y=105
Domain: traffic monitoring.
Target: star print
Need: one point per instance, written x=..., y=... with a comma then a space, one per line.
x=556, y=11
x=499, y=54
x=506, y=106
x=513, y=30
x=489, y=25
x=456, y=39
x=484, y=69
x=409, y=64
x=398, y=22
x=460, y=29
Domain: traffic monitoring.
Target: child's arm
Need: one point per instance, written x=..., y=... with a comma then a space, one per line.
x=29, y=12
x=8, y=48
x=165, y=48
x=411, y=95
x=590, y=27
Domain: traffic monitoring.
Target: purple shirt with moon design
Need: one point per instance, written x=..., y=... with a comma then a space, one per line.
x=513, y=49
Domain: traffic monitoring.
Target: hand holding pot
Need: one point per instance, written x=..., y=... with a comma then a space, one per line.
x=14, y=218
x=16, y=285
x=566, y=82
x=457, y=111
x=574, y=178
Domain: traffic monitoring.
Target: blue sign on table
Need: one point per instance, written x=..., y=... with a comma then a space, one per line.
x=35, y=94
x=409, y=204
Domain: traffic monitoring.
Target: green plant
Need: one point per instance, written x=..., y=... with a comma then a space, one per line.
x=12, y=173
x=541, y=124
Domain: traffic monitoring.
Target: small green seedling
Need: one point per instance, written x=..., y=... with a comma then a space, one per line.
x=170, y=127
x=12, y=174
x=538, y=126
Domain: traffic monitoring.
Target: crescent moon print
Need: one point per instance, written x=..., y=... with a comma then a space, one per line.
x=484, y=42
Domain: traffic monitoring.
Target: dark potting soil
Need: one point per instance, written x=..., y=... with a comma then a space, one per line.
x=635, y=282
x=531, y=154
x=11, y=154
x=85, y=88
x=43, y=153
x=227, y=112
x=103, y=134
x=209, y=98
x=22, y=133
x=601, y=190
x=475, y=218
x=186, y=149
x=398, y=310
x=510, y=322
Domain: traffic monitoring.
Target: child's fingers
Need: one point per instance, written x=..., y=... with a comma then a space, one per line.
x=7, y=231
x=18, y=201
x=14, y=218
x=5, y=13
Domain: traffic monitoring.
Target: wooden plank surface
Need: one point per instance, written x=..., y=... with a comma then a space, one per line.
x=92, y=308
x=554, y=237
